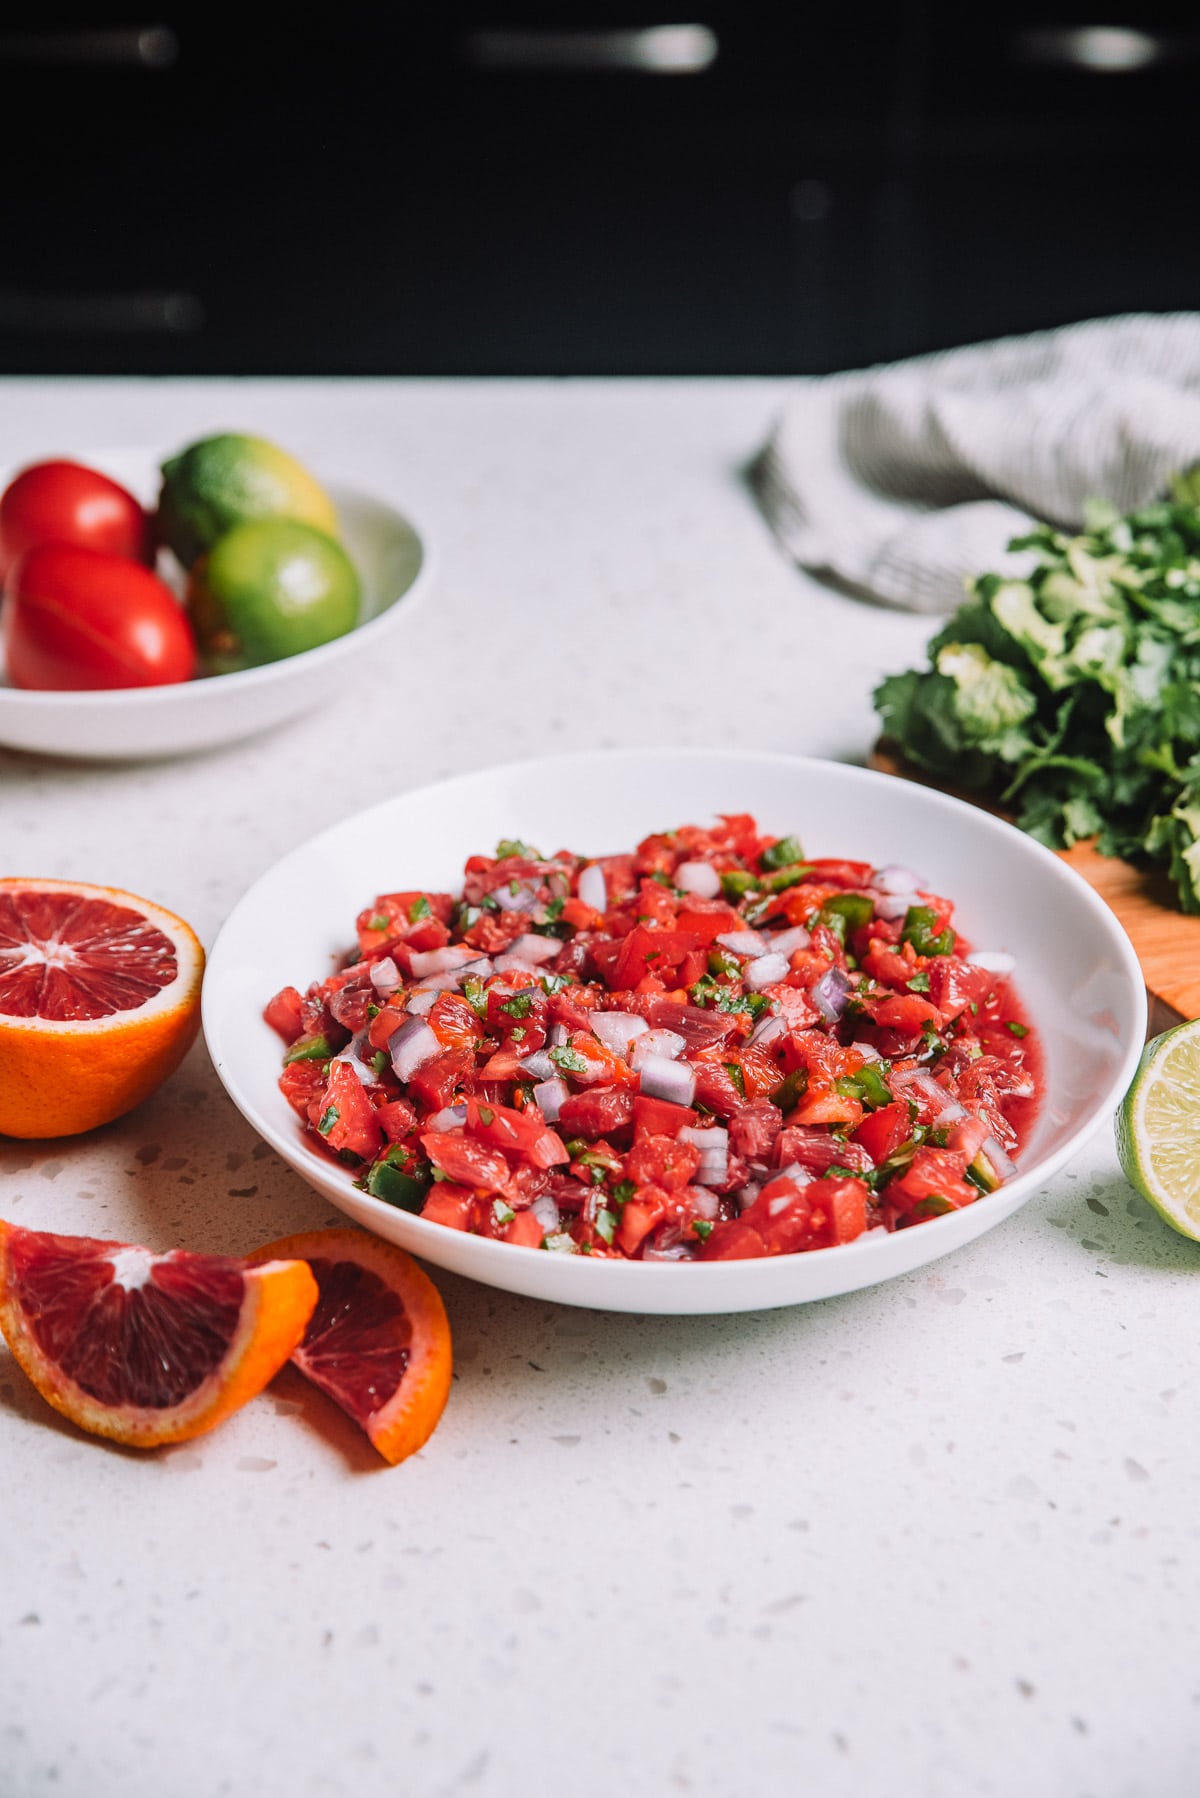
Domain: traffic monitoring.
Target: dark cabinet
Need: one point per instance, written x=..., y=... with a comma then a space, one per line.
x=488, y=190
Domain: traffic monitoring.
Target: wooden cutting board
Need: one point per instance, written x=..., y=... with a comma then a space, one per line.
x=1167, y=943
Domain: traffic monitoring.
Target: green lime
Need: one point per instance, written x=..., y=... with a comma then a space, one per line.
x=1158, y=1127
x=222, y=481
x=270, y=589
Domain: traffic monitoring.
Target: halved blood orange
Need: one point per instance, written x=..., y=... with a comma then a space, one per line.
x=99, y=1002
x=141, y=1347
x=379, y=1339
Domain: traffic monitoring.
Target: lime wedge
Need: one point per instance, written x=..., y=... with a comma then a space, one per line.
x=1158, y=1128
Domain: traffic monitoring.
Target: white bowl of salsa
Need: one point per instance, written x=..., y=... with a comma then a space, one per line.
x=1075, y=977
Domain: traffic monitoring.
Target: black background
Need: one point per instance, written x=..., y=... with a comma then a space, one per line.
x=358, y=194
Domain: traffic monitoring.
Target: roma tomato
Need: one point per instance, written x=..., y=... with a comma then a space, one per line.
x=80, y=618
x=63, y=502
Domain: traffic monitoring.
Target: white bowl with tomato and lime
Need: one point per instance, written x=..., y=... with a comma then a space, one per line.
x=157, y=606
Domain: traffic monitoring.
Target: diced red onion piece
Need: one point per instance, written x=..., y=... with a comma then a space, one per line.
x=1002, y=1163
x=437, y=961
x=547, y=1213
x=700, y=878
x=662, y=1078
x=560, y=884
x=868, y=1051
x=765, y=970
x=768, y=1028
x=421, y=1001
x=894, y=905
x=923, y=1081
x=742, y=942
x=385, y=976
x=831, y=994
x=714, y=1141
x=411, y=1047
x=786, y=942
x=524, y=899
x=713, y=1170
x=952, y=1111
x=593, y=888
x=550, y=1097
x=799, y=1176
x=678, y=1251
x=538, y=1066
x=448, y=1118
x=747, y=1194
x=535, y=949
x=665, y=1044
x=617, y=1030
x=705, y=1204
x=895, y=879
x=994, y=961
x=557, y=1035
x=365, y=1075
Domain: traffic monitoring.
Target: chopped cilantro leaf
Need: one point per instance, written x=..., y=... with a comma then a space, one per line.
x=919, y=982
x=568, y=1060
x=509, y=846
x=328, y=1120
x=1016, y=1029
x=520, y=1005
x=606, y=1224
x=380, y=921
x=420, y=908
x=702, y=1228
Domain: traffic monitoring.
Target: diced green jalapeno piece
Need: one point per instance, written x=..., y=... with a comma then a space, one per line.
x=787, y=877
x=934, y=1205
x=875, y=1087
x=783, y=853
x=919, y=930
x=390, y=1182
x=309, y=1048
x=791, y=1090
x=854, y=909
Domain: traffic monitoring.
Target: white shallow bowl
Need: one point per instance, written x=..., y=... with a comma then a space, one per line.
x=1076, y=973
x=393, y=563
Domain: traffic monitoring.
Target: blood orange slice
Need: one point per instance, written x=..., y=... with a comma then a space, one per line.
x=379, y=1340
x=99, y=1002
x=146, y=1348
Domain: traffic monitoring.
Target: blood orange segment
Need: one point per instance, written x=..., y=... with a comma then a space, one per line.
x=146, y=1348
x=99, y=1002
x=379, y=1340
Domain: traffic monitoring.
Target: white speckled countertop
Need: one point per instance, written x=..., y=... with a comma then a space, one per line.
x=933, y=1540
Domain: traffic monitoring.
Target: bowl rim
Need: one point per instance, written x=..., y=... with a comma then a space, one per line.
x=191, y=694
x=700, y=1277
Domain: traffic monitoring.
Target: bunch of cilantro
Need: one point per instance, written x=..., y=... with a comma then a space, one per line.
x=1072, y=697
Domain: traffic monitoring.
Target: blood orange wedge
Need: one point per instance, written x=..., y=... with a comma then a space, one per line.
x=99, y=1002
x=379, y=1339
x=141, y=1347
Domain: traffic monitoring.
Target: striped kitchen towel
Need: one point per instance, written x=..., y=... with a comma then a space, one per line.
x=899, y=482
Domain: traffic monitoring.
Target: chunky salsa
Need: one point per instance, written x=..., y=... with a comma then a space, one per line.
x=709, y=1049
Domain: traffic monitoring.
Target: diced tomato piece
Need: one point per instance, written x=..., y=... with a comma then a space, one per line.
x=435, y=1084
x=381, y=1029
x=598, y=1111
x=282, y=1013
x=715, y=1089
x=646, y=952
x=707, y=920
x=955, y=984
x=850, y=876
x=821, y=1105
x=300, y=1082
x=816, y=1151
x=932, y=1174
x=396, y=1118
x=891, y=967
x=753, y=1128
x=734, y=1241
x=430, y=933
x=881, y=1132
x=453, y=1022
x=844, y=1203
x=658, y=1117
x=524, y=1230
x=662, y=1161
x=344, y=1117
x=906, y=1014
x=450, y=1205
x=638, y=1217
x=494, y=932
x=468, y=1162
x=782, y=1214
